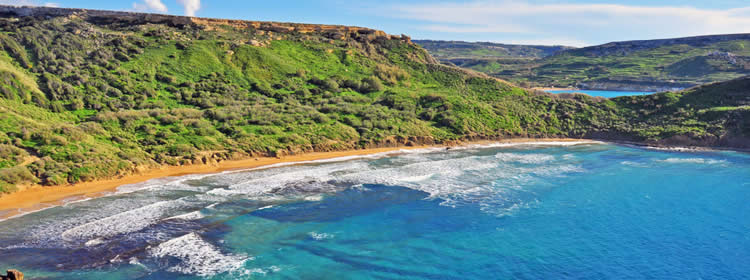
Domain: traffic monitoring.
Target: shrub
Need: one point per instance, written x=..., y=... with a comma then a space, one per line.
x=17, y=175
x=371, y=84
x=181, y=150
x=390, y=74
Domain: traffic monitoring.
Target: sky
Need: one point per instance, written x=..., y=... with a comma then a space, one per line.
x=544, y=22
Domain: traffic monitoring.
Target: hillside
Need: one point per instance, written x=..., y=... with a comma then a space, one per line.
x=646, y=65
x=460, y=49
x=485, y=56
x=89, y=94
x=711, y=115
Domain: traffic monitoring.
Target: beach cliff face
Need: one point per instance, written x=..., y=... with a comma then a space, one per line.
x=90, y=95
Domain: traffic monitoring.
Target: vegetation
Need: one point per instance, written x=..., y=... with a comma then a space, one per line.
x=710, y=115
x=486, y=57
x=83, y=98
x=459, y=49
x=649, y=65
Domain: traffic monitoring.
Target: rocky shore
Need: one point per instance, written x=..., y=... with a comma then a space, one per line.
x=12, y=274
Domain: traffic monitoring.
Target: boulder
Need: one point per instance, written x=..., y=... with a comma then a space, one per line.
x=12, y=274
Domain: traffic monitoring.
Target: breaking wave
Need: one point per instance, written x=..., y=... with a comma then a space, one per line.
x=693, y=161
x=196, y=256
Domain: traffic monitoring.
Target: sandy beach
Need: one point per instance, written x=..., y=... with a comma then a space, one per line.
x=34, y=198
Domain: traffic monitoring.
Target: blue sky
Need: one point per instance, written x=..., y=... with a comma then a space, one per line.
x=573, y=22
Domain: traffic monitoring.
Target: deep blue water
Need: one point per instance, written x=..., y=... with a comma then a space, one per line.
x=592, y=211
x=603, y=93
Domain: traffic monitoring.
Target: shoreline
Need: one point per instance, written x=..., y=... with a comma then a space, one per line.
x=37, y=198
x=553, y=88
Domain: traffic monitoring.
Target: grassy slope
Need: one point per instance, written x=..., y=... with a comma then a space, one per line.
x=82, y=101
x=487, y=57
x=680, y=63
x=671, y=63
x=459, y=49
x=710, y=115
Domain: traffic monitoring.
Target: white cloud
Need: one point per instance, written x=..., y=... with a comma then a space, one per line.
x=150, y=5
x=191, y=6
x=590, y=23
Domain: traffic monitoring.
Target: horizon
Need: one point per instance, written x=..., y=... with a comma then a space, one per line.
x=576, y=23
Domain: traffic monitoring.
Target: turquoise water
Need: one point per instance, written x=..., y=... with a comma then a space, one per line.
x=603, y=93
x=590, y=211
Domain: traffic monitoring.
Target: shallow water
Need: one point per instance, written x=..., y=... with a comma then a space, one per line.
x=565, y=211
x=603, y=93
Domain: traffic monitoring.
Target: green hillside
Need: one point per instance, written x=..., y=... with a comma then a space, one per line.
x=650, y=65
x=716, y=115
x=95, y=94
x=460, y=49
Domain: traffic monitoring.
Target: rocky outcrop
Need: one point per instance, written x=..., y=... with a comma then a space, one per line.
x=12, y=274
x=336, y=32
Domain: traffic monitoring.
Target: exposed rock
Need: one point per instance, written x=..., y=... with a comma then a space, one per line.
x=12, y=274
x=336, y=32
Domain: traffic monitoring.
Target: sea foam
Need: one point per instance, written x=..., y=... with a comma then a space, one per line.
x=198, y=257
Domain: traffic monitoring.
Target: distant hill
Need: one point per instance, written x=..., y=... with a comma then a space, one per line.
x=460, y=49
x=485, y=56
x=645, y=65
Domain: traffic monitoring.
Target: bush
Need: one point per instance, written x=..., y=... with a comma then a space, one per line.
x=181, y=150
x=391, y=74
x=167, y=79
x=12, y=153
x=17, y=175
x=371, y=84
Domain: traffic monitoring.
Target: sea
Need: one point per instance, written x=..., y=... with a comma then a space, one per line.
x=603, y=93
x=562, y=210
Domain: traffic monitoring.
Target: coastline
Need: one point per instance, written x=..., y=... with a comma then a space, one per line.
x=36, y=198
x=553, y=88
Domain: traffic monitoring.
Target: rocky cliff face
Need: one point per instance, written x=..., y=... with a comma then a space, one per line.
x=338, y=32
